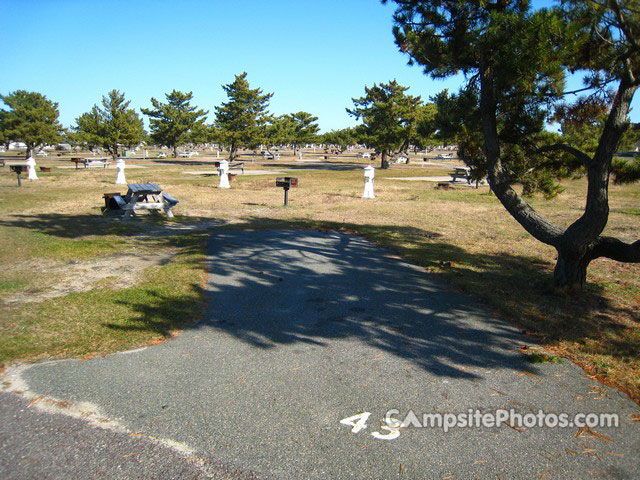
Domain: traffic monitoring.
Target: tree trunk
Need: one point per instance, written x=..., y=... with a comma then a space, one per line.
x=383, y=162
x=570, y=272
x=175, y=151
x=29, y=152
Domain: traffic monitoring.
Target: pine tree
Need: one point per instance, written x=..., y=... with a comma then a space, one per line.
x=31, y=119
x=516, y=60
x=112, y=126
x=240, y=121
x=304, y=129
x=176, y=122
x=389, y=117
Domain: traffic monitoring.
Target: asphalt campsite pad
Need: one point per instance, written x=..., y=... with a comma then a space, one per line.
x=305, y=329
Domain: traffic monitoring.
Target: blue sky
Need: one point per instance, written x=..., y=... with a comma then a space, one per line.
x=313, y=55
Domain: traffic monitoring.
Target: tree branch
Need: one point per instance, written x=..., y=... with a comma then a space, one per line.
x=622, y=24
x=615, y=249
x=499, y=180
x=596, y=213
x=580, y=155
x=590, y=87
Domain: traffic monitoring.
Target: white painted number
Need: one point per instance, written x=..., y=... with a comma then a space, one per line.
x=392, y=435
x=359, y=422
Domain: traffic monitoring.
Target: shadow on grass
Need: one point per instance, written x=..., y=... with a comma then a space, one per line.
x=75, y=227
x=162, y=314
x=320, y=165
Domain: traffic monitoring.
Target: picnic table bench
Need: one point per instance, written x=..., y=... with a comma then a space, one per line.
x=463, y=173
x=140, y=196
x=237, y=165
x=91, y=161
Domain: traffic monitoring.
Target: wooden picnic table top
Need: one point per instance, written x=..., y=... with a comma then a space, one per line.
x=144, y=188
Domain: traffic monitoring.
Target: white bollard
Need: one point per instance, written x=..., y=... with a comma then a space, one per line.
x=224, y=174
x=31, y=168
x=369, y=173
x=120, y=165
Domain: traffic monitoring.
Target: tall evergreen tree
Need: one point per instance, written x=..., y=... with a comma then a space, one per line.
x=423, y=132
x=241, y=120
x=112, y=126
x=31, y=118
x=340, y=139
x=277, y=131
x=389, y=117
x=176, y=122
x=304, y=129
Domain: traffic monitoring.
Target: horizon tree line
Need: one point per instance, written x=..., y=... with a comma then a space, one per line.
x=241, y=122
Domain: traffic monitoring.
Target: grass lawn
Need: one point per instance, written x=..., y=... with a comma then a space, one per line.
x=141, y=282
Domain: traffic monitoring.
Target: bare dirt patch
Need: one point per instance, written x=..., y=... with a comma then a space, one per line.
x=120, y=271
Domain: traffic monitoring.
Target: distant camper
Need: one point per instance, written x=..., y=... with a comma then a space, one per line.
x=17, y=146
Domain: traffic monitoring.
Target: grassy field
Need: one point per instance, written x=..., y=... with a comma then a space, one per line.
x=77, y=284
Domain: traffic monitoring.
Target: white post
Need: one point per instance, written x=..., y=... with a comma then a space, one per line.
x=218, y=153
x=369, y=173
x=120, y=165
x=31, y=167
x=224, y=174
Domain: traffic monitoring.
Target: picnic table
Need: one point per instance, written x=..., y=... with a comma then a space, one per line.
x=235, y=165
x=91, y=161
x=140, y=196
x=461, y=172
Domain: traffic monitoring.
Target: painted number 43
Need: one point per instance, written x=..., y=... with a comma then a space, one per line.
x=359, y=422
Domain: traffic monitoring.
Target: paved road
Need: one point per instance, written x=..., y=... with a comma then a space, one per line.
x=39, y=445
x=305, y=329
